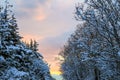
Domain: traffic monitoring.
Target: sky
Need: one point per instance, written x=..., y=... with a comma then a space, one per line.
x=49, y=22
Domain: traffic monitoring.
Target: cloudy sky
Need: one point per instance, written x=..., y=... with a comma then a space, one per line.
x=50, y=22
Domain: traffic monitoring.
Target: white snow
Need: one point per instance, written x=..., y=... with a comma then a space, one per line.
x=2, y=59
x=119, y=53
x=13, y=71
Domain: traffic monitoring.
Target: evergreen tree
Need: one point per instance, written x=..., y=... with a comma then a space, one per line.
x=33, y=45
x=17, y=61
x=8, y=26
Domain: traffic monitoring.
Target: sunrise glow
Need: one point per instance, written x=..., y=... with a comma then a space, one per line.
x=56, y=72
x=49, y=22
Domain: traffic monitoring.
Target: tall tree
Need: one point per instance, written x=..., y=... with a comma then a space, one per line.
x=94, y=48
x=17, y=61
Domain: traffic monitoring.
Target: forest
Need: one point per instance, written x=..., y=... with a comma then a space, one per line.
x=92, y=52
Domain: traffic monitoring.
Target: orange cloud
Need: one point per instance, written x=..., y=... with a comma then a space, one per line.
x=43, y=10
x=40, y=17
x=40, y=14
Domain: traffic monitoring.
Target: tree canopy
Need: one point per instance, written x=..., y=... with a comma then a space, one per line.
x=92, y=51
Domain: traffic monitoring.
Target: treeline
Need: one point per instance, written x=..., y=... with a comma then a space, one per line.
x=93, y=50
x=18, y=60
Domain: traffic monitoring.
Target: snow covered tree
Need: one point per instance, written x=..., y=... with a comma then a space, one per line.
x=17, y=61
x=33, y=45
x=92, y=52
x=104, y=16
x=8, y=26
x=78, y=55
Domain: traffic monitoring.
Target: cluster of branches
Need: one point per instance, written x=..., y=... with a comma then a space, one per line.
x=93, y=51
x=33, y=45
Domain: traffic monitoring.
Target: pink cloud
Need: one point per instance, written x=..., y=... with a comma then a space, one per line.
x=39, y=14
